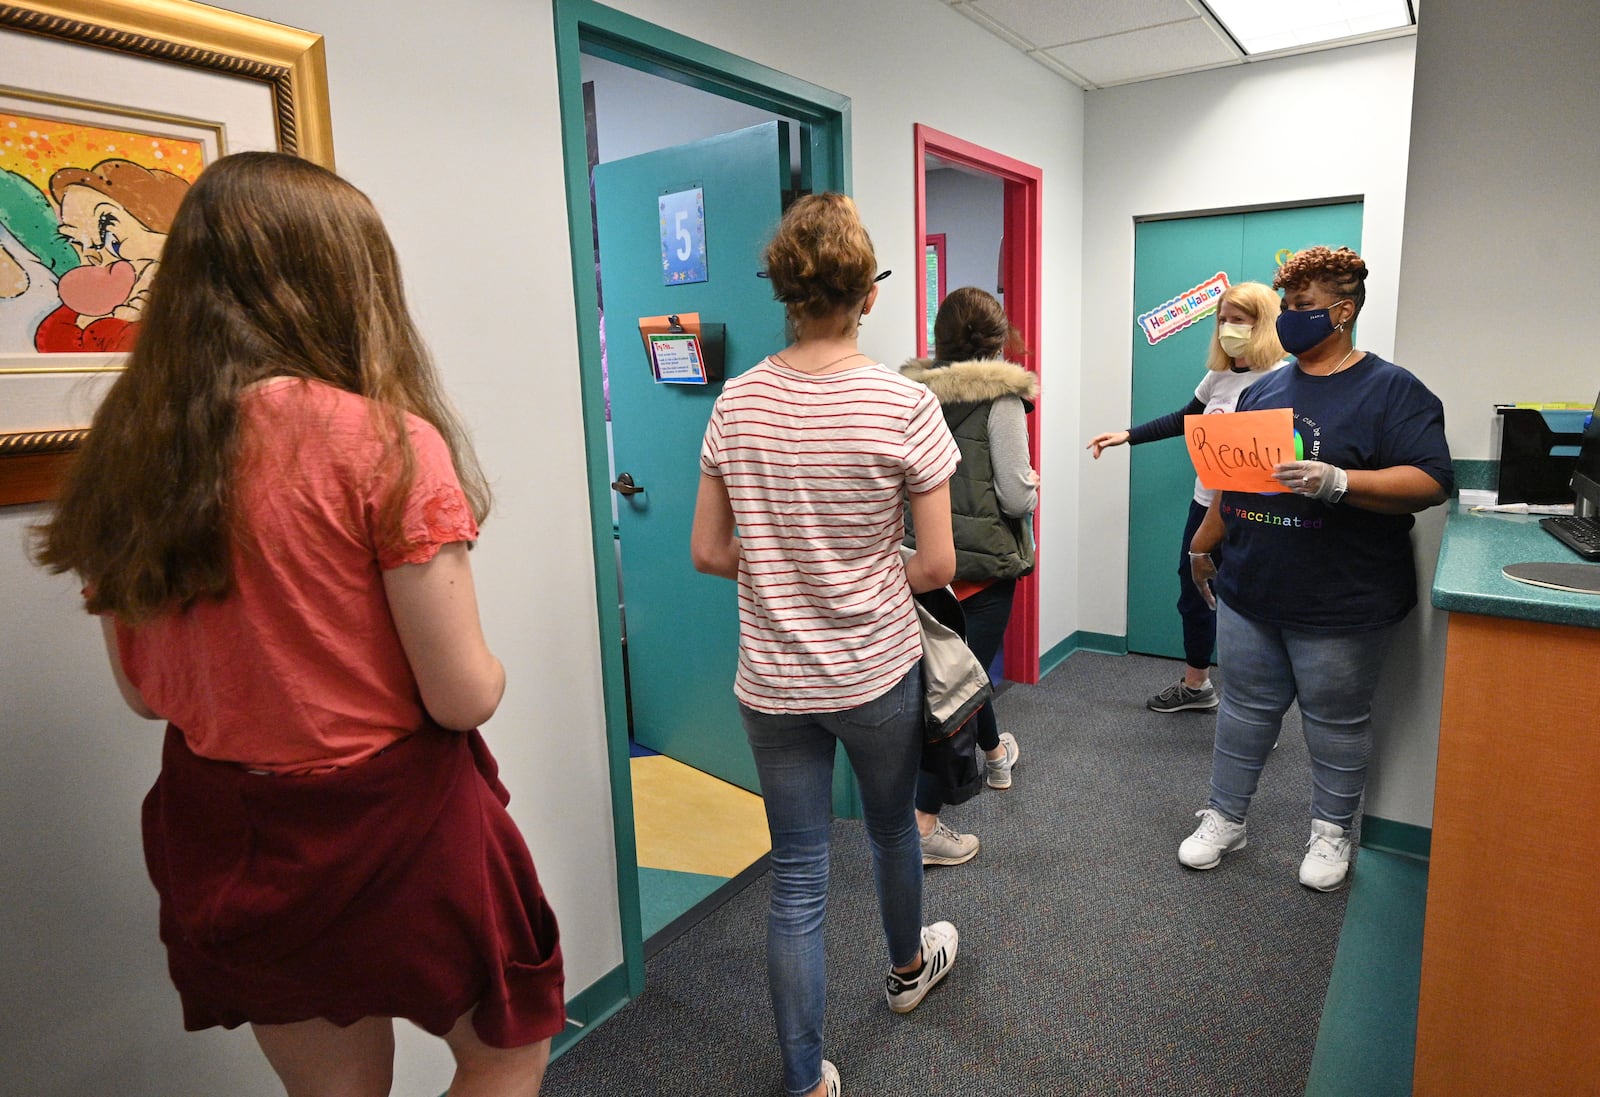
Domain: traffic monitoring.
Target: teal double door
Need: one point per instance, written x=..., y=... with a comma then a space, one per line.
x=1171, y=257
x=682, y=627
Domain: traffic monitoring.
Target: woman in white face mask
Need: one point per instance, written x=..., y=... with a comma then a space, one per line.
x=1244, y=347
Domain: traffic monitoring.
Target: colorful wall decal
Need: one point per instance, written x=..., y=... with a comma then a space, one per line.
x=1186, y=308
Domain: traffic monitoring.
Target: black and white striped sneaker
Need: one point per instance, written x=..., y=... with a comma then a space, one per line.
x=939, y=943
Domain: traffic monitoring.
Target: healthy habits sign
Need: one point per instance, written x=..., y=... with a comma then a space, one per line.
x=1171, y=317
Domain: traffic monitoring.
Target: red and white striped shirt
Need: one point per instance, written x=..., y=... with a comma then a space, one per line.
x=817, y=469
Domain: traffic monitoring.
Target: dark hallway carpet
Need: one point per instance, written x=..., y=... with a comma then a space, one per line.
x=1091, y=962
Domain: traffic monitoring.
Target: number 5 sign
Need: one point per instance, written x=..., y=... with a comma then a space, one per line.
x=683, y=237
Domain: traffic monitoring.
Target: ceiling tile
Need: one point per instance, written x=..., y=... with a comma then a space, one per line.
x=1055, y=22
x=1147, y=54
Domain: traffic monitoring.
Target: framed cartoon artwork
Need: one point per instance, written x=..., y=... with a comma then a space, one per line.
x=109, y=110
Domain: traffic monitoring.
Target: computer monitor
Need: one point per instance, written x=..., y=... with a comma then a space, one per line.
x=1586, y=475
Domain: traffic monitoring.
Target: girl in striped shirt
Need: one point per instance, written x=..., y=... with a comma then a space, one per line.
x=807, y=463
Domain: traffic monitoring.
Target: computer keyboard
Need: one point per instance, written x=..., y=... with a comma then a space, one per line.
x=1581, y=535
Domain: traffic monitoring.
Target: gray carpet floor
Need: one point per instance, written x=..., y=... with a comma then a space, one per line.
x=1091, y=962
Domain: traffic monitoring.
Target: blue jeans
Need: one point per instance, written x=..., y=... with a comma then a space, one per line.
x=987, y=613
x=1266, y=668
x=794, y=761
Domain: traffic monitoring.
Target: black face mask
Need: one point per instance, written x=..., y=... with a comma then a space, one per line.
x=1301, y=329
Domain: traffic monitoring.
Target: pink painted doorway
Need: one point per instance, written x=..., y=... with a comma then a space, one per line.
x=1018, y=279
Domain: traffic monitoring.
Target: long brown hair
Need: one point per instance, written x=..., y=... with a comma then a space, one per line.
x=274, y=267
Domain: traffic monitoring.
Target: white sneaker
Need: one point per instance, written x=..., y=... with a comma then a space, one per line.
x=939, y=944
x=830, y=1078
x=1327, y=862
x=998, y=770
x=1216, y=835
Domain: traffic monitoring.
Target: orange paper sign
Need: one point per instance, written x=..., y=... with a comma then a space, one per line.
x=1235, y=451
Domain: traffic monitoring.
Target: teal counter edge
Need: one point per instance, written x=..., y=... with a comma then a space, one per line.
x=1474, y=549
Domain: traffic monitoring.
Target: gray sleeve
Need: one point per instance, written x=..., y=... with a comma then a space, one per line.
x=1008, y=447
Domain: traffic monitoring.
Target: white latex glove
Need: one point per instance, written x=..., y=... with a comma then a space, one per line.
x=1316, y=479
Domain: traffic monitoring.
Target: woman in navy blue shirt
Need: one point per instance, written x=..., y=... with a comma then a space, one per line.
x=1317, y=576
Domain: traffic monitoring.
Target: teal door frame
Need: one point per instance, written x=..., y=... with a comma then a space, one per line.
x=583, y=26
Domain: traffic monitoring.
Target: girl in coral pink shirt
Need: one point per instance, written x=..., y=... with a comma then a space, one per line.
x=272, y=514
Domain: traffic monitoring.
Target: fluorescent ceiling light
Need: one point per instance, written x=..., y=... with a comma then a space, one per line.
x=1263, y=26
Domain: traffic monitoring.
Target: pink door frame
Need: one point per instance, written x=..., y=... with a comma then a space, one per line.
x=1021, y=265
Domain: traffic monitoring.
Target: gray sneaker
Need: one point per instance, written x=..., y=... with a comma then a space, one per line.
x=997, y=771
x=945, y=847
x=1178, y=697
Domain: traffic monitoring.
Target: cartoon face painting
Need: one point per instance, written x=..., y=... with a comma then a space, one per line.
x=115, y=216
x=85, y=208
x=32, y=257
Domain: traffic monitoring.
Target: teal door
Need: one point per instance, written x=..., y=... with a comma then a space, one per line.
x=1171, y=257
x=682, y=627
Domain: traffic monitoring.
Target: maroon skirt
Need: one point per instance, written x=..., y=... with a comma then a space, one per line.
x=399, y=887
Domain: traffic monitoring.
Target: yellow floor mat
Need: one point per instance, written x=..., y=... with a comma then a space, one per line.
x=688, y=821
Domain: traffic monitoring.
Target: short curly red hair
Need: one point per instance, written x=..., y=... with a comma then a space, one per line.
x=1342, y=271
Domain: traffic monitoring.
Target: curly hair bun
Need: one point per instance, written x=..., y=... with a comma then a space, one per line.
x=1341, y=269
x=821, y=261
x=971, y=325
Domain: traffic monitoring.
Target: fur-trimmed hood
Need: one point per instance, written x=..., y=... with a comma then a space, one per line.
x=976, y=382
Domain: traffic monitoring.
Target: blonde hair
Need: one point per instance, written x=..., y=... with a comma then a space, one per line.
x=820, y=261
x=1262, y=306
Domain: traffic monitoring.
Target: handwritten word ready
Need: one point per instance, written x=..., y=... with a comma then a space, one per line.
x=1236, y=451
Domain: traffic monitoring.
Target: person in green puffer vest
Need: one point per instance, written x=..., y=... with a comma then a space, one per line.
x=985, y=400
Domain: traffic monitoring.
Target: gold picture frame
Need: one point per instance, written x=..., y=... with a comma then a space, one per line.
x=290, y=64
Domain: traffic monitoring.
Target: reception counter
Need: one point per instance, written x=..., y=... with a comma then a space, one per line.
x=1510, y=995
x=1477, y=546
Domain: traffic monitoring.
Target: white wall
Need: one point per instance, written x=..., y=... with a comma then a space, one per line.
x=970, y=211
x=1499, y=224
x=1279, y=132
x=1324, y=125
x=880, y=55
x=83, y=989
x=447, y=118
x=1498, y=281
x=1501, y=221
